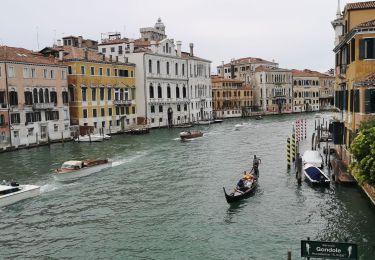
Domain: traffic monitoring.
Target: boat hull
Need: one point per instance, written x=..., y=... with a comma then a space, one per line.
x=73, y=175
x=235, y=196
x=315, y=176
x=93, y=138
x=27, y=191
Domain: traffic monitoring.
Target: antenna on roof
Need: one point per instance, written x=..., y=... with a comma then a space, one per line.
x=37, y=36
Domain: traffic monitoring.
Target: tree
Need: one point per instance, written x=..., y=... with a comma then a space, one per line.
x=363, y=150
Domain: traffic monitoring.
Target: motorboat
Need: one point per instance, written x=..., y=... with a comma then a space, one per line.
x=238, y=126
x=205, y=122
x=315, y=176
x=183, y=126
x=245, y=192
x=13, y=192
x=190, y=134
x=93, y=138
x=218, y=121
x=312, y=157
x=259, y=117
x=71, y=170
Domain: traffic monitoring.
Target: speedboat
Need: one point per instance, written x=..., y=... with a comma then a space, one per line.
x=312, y=157
x=190, y=134
x=72, y=170
x=204, y=122
x=92, y=138
x=315, y=176
x=218, y=121
x=13, y=192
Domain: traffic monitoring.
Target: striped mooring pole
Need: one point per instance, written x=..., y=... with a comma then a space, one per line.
x=305, y=129
x=293, y=147
x=288, y=152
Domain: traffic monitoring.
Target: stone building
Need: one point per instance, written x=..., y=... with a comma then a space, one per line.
x=33, y=98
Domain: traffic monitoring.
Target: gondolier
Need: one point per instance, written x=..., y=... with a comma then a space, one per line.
x=256, y=162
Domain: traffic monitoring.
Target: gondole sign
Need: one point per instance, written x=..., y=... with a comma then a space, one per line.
x=320, y=249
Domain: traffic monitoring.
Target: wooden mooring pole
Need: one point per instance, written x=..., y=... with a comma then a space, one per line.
x=289, y=255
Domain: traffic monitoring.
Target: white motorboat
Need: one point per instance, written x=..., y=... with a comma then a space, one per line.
x=92, y=138
x=190, y=134
x=72, y=170
x=313, y=158
x=315, y=176
x=205, y=122
x=238, y=126
x=14, y=192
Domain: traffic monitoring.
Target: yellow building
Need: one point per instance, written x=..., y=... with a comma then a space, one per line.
x=101, y=90
x=355, y=68
x=230, y=97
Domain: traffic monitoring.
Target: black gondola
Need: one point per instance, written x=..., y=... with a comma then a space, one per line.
x=237, y=196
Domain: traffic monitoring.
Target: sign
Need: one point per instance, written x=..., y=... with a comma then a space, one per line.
x=319, y=249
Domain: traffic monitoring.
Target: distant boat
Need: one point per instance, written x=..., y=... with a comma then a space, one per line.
x=238, y=126
x=13, y=192
x=205, y=122
x=92, y=138
x=71, y=170
x=312, y=157
x=259, y=117
x=183, y=126
x=190, y=134
x=315, y=176
x=218, y=121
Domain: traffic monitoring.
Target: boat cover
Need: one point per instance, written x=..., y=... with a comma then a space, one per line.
x=312, y=157
x=314, y=173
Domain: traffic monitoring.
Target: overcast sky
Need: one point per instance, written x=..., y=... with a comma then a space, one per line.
x=295, y=33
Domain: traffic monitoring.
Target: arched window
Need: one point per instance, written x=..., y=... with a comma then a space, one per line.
x=151, y=91
x=295, y=82
x=46, y=95
x=166, y=47
x=176, y=68
x=158, y=67
x=183, y=69
x=184, y=92
x=159, y=92
x=150, y=66
x=35, y=95
x=167, y=65
x=168, y=91
x=299, y=83
x=121, y=94
x=177, y=92
x=41, y=98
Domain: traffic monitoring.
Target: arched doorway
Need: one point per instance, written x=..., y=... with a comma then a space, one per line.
x=170, y=117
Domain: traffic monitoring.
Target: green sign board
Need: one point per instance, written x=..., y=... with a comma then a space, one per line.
x=319, y=249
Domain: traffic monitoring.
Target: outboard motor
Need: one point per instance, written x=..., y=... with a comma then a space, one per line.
x=14, y=184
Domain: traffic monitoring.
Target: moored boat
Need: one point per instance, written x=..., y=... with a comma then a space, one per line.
x=92, y=138
x=190, y=134
x=204, y=122
x=218, y=121
x=71, y=170
x=312, y=157
x=13, y=192
x=259, y=117
x=183, y=126
x=242, y=193
x=315, y=176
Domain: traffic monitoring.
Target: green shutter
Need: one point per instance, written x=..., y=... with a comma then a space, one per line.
x=356, y=101
x=361, y=49
x=370, y=100
x=345, y=100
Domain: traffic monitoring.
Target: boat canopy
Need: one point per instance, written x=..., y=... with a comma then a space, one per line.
x=72, y=164
x=5, y=187
x=312, y=157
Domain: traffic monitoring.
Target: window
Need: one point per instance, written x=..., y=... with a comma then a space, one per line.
x=115, y=72
x=28, y=98
x=84, y=94
x=158, y=67
x=55, y=127
x=112, y=49
x=159, y=92
x=108, y=72
x=149, y=66
x=84, y=113
x=102, y=113
x=367, y=48
x=119, y=49
x=160, y=109
x=104, y=50
x=185, y=107
x=92, y=71
x=178, y=107
x=152, y=109
x=52, y=74
x=52, y=115
x=109, y=94
x=177, y=92
x=167, y=66
x=11, y=73
x=70, y=70
x=15, y=118
x=184, y=92
x=53, y=95
x=124, y=73
x=370, y=100
x=46, y=95
x=63, y=74
x=29, y=117
x=30, y=131
x=151, y=91
x=94, y=113
x=93, y=94
x=176, y=68
x=133, y=110
x=13, y=98
x=101, y=94
x=183, y=69
x=100, y=71
x=168, y=91
x=26, y=73
x=160, y=120
x=83, y=71
x=110, y=111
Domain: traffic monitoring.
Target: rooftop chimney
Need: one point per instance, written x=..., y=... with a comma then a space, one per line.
x=191, y=45
x=86, y=54
x=61, y=54
x=179, y=48
x=131, y=46
x=80, y=41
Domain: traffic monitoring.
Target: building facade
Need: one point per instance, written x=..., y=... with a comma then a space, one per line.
x=273, y=90
x=33, y=97
x=326, y=91
x=354, y=68
x=101, y=91
x=306, y=90
x=231, y=98
x=172, y=87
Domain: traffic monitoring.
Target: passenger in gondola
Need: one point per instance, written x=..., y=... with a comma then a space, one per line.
x=241, y=185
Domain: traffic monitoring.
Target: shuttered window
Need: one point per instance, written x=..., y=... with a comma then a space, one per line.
x=370, y=100
x=367, y=48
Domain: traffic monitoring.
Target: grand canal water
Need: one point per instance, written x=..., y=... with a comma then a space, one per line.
x=163, y=199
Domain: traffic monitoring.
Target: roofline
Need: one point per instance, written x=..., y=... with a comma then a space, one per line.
x=351, y=34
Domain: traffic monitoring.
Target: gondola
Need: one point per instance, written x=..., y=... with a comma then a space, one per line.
x=237, y=196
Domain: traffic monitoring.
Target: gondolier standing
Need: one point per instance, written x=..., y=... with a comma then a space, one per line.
x=256, y=162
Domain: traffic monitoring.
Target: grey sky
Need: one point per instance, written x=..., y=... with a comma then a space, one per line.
x=295, y=33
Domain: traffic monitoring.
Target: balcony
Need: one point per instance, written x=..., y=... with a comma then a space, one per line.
x=43, y=106
x=123, y=102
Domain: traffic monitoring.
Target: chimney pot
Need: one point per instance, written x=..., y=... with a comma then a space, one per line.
x=86, y=54
x=80, y=39
x=61, y=55
x=191, y=45
x=179, y=48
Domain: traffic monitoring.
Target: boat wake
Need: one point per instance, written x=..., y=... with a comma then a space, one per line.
x=116, y=163
x=48, y=187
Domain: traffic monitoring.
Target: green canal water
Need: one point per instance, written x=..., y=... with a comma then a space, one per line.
x=163, y=199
